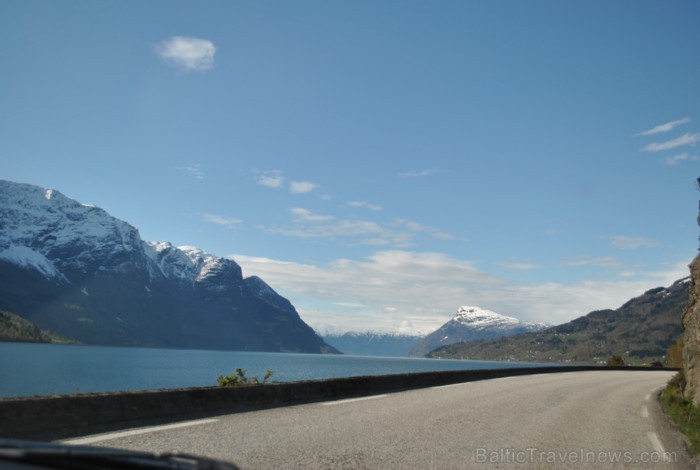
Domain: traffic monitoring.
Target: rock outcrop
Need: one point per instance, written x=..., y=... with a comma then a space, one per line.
x=691, y=336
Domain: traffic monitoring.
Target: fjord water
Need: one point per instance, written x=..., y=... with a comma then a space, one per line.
x=44, y=369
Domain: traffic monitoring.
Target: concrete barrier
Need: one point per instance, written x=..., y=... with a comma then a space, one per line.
x=66, y=415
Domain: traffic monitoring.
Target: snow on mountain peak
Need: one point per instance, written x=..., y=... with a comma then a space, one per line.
x=477, y=316
x=467, y=310
x=187, y=263
x=64, y=229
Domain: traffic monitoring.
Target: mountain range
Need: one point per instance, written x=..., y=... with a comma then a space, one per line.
x=640, y=331
x=370, y=343
x=76, y=271
x=468, y=324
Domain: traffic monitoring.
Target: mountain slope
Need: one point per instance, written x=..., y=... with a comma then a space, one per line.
x=641, y=331
x=472, y=323
x=77, y=271
x=16, y=329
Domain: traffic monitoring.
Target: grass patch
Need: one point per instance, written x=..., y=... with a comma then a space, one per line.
x=682, y=411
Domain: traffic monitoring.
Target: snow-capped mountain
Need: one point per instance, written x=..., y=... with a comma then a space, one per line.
x=79, y=272
x=472, y=323
x=59, y=236
x=641, y=331
x=370, y=343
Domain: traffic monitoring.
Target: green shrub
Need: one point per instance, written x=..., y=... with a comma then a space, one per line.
x=239, y=379
x=615, y=360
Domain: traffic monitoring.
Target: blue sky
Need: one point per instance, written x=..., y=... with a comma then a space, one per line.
x=378, y=162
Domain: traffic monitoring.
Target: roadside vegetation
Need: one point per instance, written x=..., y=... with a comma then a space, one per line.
x=240, y=379
x=615, y=360
x=674, y=356
x=682, y=411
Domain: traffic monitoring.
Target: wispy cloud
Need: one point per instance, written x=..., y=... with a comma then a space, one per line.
x=271, y=179
x=665, y=127
x=418, y=291
x=601, y=261
x=193, y=169
x=419, y=228
x=187, y=53
x=308, y=224
x=221, y=220
x=365, y=204
x=685, y=139
x=306, y=215
x=302, y=187
x=398, y=233
x=632, y=243
x=420, y=173
x=520, y=266
x=676, y=159
x=275, y=179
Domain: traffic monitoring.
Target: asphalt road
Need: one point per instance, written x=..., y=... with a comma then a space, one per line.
x=599, y=419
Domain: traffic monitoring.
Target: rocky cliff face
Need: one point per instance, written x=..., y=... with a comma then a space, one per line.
x=691, y=335
x=75, y=270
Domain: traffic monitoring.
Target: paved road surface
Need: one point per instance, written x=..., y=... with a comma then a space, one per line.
x=564, y=420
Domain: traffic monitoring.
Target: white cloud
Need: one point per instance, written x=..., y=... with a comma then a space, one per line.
x=419, y=228
x=685, y=139
x=275, y=179
x=221, y=220
x=520, y=266
x=306, y=215
x=676, y=159
x=665, y=127
x=419, y=291
x=365, y=204
x=632, y=243
x=193, y=169
x=187, y=53
x=602, y=262
x=308, y=224
x=398, y=233
x=420, y=173
x=271, y=179
x=301, y=187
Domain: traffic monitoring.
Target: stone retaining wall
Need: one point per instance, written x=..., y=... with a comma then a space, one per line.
x=70, y=414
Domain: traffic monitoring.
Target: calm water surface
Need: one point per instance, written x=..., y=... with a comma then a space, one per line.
x=42, y=369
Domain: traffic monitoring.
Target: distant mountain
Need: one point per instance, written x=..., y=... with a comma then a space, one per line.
x=472, y=323
x=641, y=331
x=77, y=271
x=372, y=344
